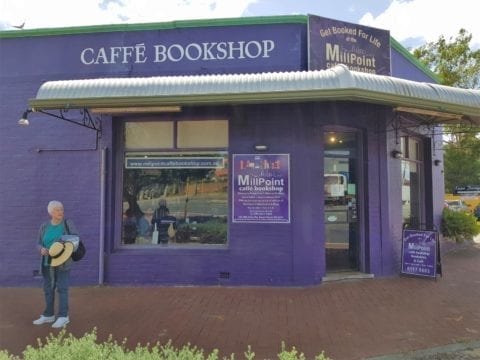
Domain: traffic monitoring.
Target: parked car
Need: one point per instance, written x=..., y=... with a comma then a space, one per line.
x=456, y=205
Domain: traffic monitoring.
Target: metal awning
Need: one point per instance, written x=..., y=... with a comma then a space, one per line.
x=337, y=83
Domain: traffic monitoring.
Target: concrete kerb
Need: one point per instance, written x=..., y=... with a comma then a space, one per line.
x=458, y=351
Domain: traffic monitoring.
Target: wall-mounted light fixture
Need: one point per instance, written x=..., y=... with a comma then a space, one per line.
x=437, y=162
x=24, y=119
x=397, y=154
x=86, y=121
x=261, y=147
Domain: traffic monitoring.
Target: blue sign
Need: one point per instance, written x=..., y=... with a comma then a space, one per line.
x=174, y=163
x=361, y=48
x=419, y=253
x=159, y=52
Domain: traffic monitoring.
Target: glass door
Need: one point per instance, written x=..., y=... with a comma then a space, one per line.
x=340, y=189
x=413, y=192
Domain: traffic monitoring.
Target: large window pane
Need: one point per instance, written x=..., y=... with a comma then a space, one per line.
x=202, y=134
x=406, y=191
x=181, y=195
x=149, y=135
x=413, y=149
x=412, y=183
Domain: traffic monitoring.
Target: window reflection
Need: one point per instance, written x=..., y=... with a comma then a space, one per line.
x=412, y=180
x=186, y=204
x=172, y=195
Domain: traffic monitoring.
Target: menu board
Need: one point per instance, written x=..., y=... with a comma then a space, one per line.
x=419, y=253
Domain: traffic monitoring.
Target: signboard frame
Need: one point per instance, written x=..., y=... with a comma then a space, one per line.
x=420, y=253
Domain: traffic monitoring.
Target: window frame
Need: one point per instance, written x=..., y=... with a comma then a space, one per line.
x=420, y=163
x=120, y=167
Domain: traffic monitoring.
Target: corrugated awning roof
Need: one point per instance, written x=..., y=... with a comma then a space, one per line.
x=337, y=83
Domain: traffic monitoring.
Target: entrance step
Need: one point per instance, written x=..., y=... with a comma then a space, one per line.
x=346, y=275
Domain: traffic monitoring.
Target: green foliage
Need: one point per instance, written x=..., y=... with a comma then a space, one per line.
x=294, y=354
x=453, y=60
x=457, y=65
x=290, y=355
x=249, y=354
x=213, y=231
x=462, y=162
x=459, y=225
x=4, y=355
x=63, y=346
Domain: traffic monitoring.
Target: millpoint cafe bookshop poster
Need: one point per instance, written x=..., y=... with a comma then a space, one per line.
x=361, y=48
x=261, y=190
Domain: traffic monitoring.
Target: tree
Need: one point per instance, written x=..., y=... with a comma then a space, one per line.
x=454, y=61
x=459, y=66
x=136, y=180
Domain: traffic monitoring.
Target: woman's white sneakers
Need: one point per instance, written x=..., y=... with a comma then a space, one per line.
x=61, y=321
x=44, y=320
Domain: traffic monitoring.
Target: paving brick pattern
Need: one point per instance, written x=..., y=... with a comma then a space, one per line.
x=349, y=319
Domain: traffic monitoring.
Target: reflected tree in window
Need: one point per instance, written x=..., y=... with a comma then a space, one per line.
x=189, y=204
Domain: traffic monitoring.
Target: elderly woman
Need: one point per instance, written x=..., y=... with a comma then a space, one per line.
x=56, y=275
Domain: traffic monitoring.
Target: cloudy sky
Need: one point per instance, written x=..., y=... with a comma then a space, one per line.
x=411, y=22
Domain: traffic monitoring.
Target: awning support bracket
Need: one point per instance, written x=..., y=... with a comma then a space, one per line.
x=86, y=121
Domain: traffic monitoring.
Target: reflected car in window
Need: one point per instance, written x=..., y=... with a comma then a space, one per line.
x=457, y=205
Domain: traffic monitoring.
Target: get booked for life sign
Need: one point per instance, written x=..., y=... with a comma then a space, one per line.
x=419, y=253
x=261, y=188
x=361, y=48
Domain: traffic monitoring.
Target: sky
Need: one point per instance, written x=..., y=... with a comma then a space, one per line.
x=411, y=22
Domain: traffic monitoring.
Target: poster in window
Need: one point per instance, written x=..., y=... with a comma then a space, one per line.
x=261, y=188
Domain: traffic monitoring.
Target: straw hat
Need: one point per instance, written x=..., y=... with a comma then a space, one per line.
x=60, y=252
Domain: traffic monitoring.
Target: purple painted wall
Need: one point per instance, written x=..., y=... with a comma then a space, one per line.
x=51, y=159
x=404, y=68
x=276, y=254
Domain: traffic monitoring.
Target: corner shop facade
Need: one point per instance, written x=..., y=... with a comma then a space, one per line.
x=274, y=173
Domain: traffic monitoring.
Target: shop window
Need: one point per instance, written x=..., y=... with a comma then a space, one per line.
x=202, y=134
x=148, y=135
x=174, y=196
x=412, y=182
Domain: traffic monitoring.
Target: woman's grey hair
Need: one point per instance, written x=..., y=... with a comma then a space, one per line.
x=53, y=205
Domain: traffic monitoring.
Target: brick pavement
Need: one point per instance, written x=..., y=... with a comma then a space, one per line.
x=348, y=319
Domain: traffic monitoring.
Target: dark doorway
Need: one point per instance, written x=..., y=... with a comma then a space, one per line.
x=341, y=201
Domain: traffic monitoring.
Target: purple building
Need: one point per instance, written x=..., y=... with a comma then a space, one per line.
x=256, y=151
